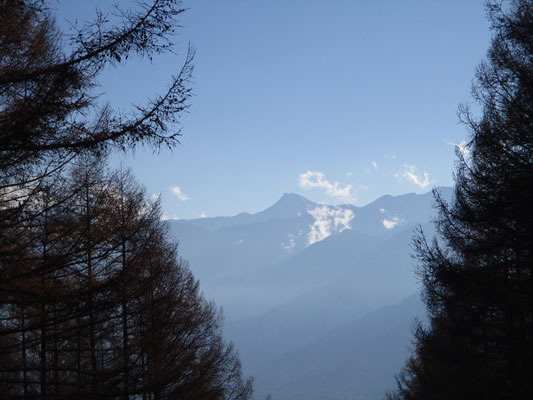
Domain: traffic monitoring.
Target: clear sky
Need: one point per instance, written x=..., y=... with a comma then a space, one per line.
x=308, y=97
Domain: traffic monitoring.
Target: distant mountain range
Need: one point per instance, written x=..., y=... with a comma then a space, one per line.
x=291, y=276
x=357, y=360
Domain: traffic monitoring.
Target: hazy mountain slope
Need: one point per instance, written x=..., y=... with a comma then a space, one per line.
x=319, y=260
x=246, y=234
x=279, y=292
x=314, y=266
x=251, y=267
x=355, y=361
x=382, y=275
x=399, y=211
x=239, y=249
x=289, y=206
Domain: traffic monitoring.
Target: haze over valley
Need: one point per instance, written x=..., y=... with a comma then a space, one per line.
x=319, y=299
x=266, y=200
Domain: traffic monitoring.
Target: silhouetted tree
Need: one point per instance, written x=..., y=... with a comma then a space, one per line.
x=48, y=113
x=478, y=273
x=102, y=307
x=48, y=110
x=94, y=302
x=47, y=106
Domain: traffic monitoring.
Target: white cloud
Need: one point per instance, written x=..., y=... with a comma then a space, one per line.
x=391, y=223
x=362, y=187
x=391, y=220
x=375, y=164
x=328, y=220
x=410, y=174
x=462, y=147
x=179, y=194
x=203, y=215
x=239, y=241
x=166, y=218
x=292, y=241
x=315, y=179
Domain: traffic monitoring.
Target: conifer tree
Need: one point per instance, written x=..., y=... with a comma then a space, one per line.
x=94, y=300
x=49, y=112
x=478, y=273
x=102, y=307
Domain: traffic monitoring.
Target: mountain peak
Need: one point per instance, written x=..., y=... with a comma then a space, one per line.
x=292, y=197
x=290, y=205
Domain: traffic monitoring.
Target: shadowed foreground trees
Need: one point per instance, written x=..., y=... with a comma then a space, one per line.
x=94, y=302
x=99, y=306
x=478, y=274
x=49, y=107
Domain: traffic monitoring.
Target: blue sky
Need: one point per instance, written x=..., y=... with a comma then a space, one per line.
x=340, y=101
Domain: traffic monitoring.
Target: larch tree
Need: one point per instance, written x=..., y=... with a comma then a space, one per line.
x=48, y=110
x=477, y=274
x=94, y=300
x=101, y=306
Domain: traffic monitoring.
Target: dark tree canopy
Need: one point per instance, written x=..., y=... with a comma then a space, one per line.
x=94, y=300
x=478, y=273
x=96, y=303
x=48, y=112
x=46, y=105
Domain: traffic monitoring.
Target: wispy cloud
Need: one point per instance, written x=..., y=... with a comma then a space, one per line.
x=391, y=220
x=179, y=193
x=327, y=221
x=166, y=218
x=292, y=241
x=410, y=173
x=462, y=147
x=375, y=164
x=390, y=223
x=316, y=179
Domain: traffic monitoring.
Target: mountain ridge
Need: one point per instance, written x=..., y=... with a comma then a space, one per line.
x=299, y=203
x=297, y=270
